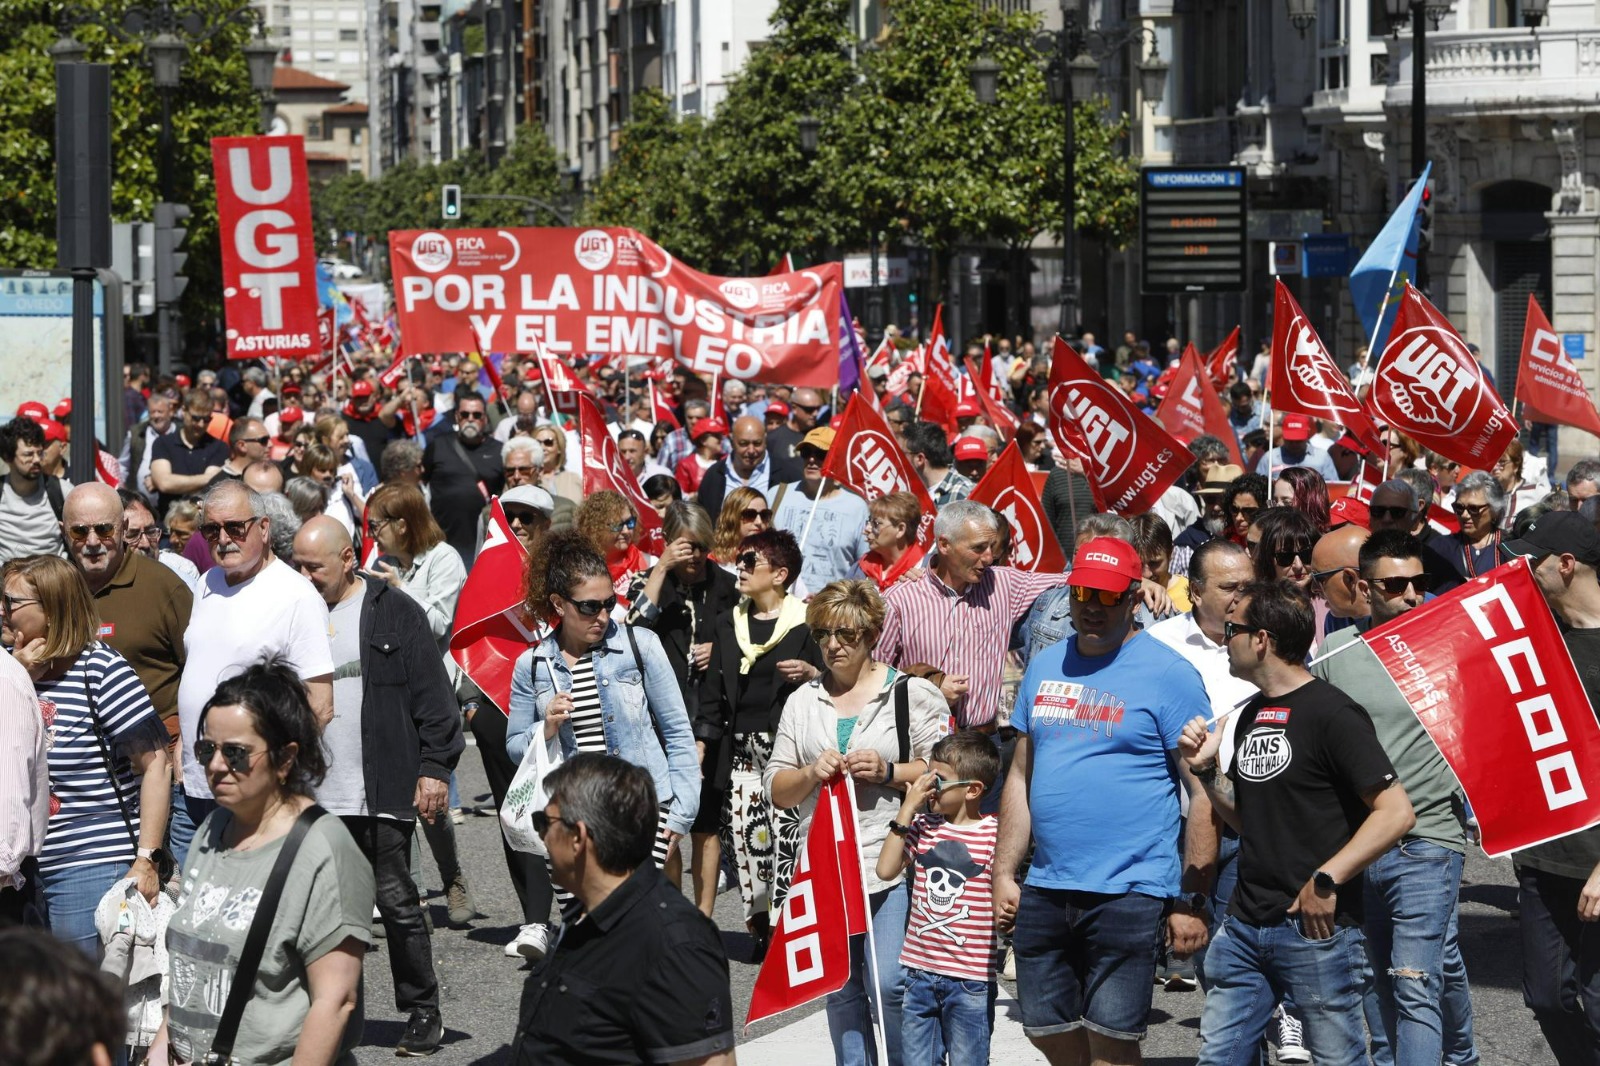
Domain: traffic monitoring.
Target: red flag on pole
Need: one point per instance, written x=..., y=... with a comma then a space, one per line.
x=988, y=395
x=1224, y=359
x=392, y=377
x=1305, y=379
x=867, y=459
x=1008, y=488
x=660, y=410
x=941, y=392
x=491, y=629
x=605, y=470
x=809, y=956
x=1547, y=383
x=1514, y=724
x=1128, y=457
x=1191, y=406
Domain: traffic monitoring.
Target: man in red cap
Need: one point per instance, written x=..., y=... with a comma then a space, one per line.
x=371, y=423
x=290, y=419
x=1296, y=450
x=55, y=448
x=971, y=458
x=967, y=414
x=1099, y=717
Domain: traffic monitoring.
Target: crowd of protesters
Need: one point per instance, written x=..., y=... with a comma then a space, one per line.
x=229, y=721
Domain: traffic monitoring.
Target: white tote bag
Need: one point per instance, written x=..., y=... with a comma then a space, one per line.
x=527, y=793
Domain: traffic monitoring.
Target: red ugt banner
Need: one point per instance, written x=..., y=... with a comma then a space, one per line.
x=1191, y=407
x=809, y=956
x=1487, y=674
x=612, y=291
x=867, y=459
x=605, y=471
x=269, y=259
x=1547, y=383
x=1304, y=378
x=1130, y=459
x=491, y=629
x=1008, y=488
x=1429, y=387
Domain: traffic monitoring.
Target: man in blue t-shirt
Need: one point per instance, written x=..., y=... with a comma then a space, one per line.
x=1094, y=782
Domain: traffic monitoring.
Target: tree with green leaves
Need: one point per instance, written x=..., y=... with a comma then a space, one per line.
x=652, y=184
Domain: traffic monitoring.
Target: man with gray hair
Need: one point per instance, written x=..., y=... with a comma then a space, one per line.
x=402, y=464
x=1393, y=506
x=958, y=617
x=1452, y=559
x=1583, y=481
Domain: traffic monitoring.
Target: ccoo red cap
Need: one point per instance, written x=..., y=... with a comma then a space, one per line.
x=970, y=448
x=63, y=410
x=34, y=411
x=1296, y=427
x=361, y=388
x=778, y=408
x=968, y=409
x=289, y=416
x=1106, y=563
x=53, y=430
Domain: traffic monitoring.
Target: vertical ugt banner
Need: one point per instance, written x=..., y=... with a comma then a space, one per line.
x=269, y=260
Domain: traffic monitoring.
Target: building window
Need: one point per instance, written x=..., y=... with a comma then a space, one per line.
x=313, y=129
x=355, y=137
x=349, y=57
x=349, y=35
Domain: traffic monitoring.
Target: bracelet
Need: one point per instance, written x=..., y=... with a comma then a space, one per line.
x=1207, y=775
x=888, y=772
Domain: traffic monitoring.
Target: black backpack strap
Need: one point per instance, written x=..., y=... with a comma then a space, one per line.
x=244, y=978
x=902, y=718
x=52, y=490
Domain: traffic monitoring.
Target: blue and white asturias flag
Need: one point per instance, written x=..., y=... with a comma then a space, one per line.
x=1380, y=278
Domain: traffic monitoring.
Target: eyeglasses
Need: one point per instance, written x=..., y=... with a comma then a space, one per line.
x=147, y=533
x=1320, y=576
x=1395, y=513
x=940, y=784
x=542, y=822
x=1107, y=598
x=471, y=416
x=849, y=638
x=1462, y=510
x=235, y=530
x=103, y=530
x=592, y=608
x=809, y=409
x=374, y=525
x=11, y=603
x=197, y=416
x=528, y=471
x=1233, y=629
x=750, y=514
x=1289, y=555
x=749, y=561
x=237, y=757
x=1394, y=586
x=810, y=454
x=625, y=526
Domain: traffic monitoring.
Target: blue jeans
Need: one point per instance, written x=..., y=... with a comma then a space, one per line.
x=1460, y=1048
x=946, y=1016
x=1085, y=960
x=70, y=897
x=850, y=1008
x=1410, y=893
x=1560, y=965
x=1252, y=967
x=187, y=814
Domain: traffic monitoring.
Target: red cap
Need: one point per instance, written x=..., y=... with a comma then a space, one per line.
x=1296, y=427
x=361, y=388
x=970, y=448
x=710, y=425
x=290, y=387
x=778, y=408
x=34, y=411
x=182, y=380
x=1348, y=510
x=968, y=409
x=1106, y=563
x=53, y=430
x=436, y=368
x=63, y=410
x=289, y=416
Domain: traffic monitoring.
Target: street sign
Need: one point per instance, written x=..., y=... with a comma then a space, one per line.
x=1572, y=344
x=1192, y=229
x=1325, y=255
x=1283, y=257
x=892, y=270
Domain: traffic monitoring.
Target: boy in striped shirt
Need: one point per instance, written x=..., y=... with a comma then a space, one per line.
x=949, y=954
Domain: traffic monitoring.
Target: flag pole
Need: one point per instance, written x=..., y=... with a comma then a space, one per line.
x=806, y=532
x=871, y=952
x=1383, y=309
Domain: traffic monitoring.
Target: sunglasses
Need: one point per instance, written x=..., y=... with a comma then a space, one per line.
x=542, y=822
x=527, y=471
x=1245, y=512
x=849, y=638
x=471, y=416
x=235, y=530
x=810, y=454
x=625, y=526
x=1462, y=510
x=750, y=514
x=1289, y=555
x=103, y=530
x=547, y=442
x=11, y=603
x=1395, y=513
x=147, y=533
x=940, y=784
x=809, y=409
x=1394, y=586
x=522, y=516
x=592, y=608
x=1323, y=575
x=1233, y=629
x=376, y=524
x=237, y=757
x=263, y=441
x=1107, y=598
x=749, y=561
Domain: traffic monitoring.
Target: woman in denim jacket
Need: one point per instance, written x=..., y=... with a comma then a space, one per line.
x=603, y=686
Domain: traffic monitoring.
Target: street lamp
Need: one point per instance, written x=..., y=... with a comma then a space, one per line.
x=809, y=127
x=1076, y=52
x=1533, y=12
x=1302, y=13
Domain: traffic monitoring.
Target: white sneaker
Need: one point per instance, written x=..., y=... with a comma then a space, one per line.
x=1291, y=1039
x=531, y=943
x=1008, y=965
x=457, y=816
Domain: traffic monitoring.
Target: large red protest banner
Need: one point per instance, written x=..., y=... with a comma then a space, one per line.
x=1130, y=459
x=867, y=459
x=1191, y=407
x=1547, y=383
x=491, y=628
x=1008, y=488
x=1429, y=387
x=1489, y=677
x=613, y=291
x=269, y=259
x=1304, y=378
x=809, y=956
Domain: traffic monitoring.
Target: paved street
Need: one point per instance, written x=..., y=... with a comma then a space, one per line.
x=481, y=986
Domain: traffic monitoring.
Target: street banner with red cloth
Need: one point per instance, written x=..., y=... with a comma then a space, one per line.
x=1129, y=458
x=1487, y=674
x=269, y=255
x=1191, y=406
x=1224, y=360
x=1008, y=488
x=867, y=459
x=613, y=291
x=604, y=469
x=491, y=629
x=1001, y=417
x=1547, y=383
x=1304, y=378
x=809, y=955
x=941, y=391
x=1428, y=386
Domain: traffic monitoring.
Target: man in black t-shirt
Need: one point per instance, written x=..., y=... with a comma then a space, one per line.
x=463, y=469
x=1314, y=800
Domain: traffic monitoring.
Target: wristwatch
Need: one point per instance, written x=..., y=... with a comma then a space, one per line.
x=1196, y=903
x=147, y=853
x=1324, y=882
x=898, y=829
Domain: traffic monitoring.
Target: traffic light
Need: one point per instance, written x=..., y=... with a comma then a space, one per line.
x=450, y=201
x=170, y=281
x=1424, y=214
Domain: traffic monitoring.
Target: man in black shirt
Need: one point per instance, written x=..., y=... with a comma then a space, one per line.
x=462, y=469
x=1314, y=800
x=185, y=462
x=641, y=975
x=1560, y=880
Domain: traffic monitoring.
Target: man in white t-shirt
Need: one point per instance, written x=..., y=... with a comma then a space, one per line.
x=249, y=607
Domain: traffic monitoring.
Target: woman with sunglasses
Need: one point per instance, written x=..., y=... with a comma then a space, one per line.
x=845, y=723
x=1242, y=501
x=1281, y=542
x=744, y=514
x=681, y=599
x=762, y=652
x=261, y=749
x=609, y=523
x=557, y=478
x=110, y=779
x=895, y=554
x=1452, y=559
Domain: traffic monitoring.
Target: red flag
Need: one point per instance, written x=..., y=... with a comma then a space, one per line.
x=1129, y=458
x=940, y=389
x=556, y=374
x=1514, y=724
x=1224, y=359
x=660, y=410
x=1429, y=387
x=1547, y=383
x=1008, y=488
x=867, y=459
x=785, y=266
x=988, y=396
x=396, y=373
x=1191, y=406
x=809, y=956
x=491, y=629
x=604, y=470
x=881, y=356
x=1305, y=379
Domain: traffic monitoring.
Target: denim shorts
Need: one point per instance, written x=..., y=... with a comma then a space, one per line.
x=1086, y=961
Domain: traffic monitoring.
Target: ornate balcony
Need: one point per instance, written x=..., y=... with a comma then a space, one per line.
x=1501, y=71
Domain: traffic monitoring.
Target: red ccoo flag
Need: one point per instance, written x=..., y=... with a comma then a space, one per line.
x=1191, y=406
x=491, y=629
x=867, y=459
x=1547, y=383
x=1008, y=488
x=1305, y=379
x=1224, y=359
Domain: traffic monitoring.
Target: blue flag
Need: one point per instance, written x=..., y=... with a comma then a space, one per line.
x=1380, y=279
